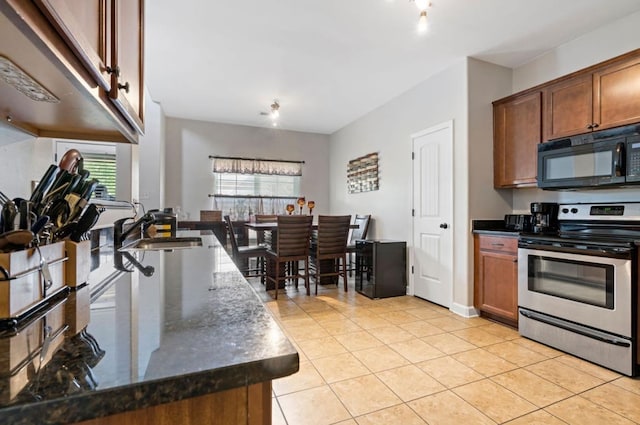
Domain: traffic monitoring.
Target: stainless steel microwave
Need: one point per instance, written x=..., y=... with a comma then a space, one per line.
x=593, y=160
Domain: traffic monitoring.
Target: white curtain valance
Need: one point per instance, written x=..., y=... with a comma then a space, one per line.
x=256, y=166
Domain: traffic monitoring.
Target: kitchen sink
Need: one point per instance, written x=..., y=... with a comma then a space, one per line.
x=159, y=244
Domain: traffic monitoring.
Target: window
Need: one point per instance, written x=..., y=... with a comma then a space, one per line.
x=242, y=187
x=103, y=168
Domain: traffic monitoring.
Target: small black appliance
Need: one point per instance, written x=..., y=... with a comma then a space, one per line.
x=545, y=217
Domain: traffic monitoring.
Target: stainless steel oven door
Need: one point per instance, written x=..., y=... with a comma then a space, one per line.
x=589, y=290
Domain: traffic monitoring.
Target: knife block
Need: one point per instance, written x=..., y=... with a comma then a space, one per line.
x=77, y=309
x=23, y=289
x=79, y=262
x=23, y=349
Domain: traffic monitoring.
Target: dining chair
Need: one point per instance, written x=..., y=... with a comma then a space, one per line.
x=291, y=246
x=241, y=255
x=210, y=215
x=330, y=244
x=264, y=237
x=357, y=234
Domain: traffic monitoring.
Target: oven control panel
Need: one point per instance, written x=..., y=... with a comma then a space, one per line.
x=608, y=212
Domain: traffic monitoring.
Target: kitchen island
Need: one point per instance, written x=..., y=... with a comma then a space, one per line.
x=172, y=338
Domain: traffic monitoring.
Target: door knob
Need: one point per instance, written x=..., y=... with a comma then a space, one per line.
x=444, y=225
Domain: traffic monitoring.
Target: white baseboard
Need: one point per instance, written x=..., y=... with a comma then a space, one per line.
x=463, y=310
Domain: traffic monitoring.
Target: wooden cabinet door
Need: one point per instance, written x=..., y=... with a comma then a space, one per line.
x=617, y=94
x=499, y=284
x=127, y=91
x=496, y=276
x=83, y=24
x=568, y=107
x=517, y=132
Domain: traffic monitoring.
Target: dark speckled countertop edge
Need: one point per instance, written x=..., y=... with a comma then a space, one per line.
x=148, y=394
x=276, y=363
x=491, y=227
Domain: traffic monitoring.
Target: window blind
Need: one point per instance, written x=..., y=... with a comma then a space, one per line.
x=245, y=186
x=256, y=166
x=102, y=167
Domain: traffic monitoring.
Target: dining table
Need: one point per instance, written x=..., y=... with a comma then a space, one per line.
x=272, y=226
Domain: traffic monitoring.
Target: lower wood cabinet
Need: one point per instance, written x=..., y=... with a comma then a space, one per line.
x=496, y=277
x=249, y=405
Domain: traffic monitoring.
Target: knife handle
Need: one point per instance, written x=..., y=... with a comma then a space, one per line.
x=86, y=222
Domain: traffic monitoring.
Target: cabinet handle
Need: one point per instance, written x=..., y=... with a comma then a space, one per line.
x=515, y=260
x=113, y=70
x=497, y=244
x=595, y=125
x=590, y=127
x=124, y=86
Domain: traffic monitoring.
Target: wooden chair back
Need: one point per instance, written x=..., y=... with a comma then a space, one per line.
x=210, y=215
x=363, y=227
x=294, y=232
x=266, y=218
x=333, y=231
x=232, y=237
x=263, y=237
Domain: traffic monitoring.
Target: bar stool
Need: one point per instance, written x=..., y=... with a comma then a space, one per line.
x=292, y=245
x=241, y=255
x=331, y=245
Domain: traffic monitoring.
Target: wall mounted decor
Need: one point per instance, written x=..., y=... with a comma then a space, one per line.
x=362, y=173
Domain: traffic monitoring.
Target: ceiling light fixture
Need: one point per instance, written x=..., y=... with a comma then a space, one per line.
x=275, y=110
x=422, y=6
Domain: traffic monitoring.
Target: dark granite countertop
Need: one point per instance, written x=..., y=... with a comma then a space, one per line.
x=193, y=326
x=492, y=227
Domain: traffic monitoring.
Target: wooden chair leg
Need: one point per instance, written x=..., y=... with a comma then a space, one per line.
x=344, y=272
x=306, y=278
x=277, y=276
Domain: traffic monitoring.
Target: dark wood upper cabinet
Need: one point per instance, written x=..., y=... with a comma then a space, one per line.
x=127, y=82
x=616, y=94
x=517, y=130
x=88, y=54
x=84, y=25
x=604, y=96
x=568, y=107
x=108, y=37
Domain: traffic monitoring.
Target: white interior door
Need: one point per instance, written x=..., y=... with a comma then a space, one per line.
x=433, y=214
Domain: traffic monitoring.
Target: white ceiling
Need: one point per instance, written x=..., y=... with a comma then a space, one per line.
x=329, y=62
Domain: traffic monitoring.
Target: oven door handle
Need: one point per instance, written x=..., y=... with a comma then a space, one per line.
x=622, y=253
x=571, y=327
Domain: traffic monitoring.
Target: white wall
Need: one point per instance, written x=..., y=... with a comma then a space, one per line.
x=152, y=158
x=599, y=45
x=23, y=162
x=189, y=143
x=596, y=46
x=387, y=130
x=486, y=83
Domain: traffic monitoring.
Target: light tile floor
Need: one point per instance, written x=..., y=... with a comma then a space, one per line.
x=406, y=361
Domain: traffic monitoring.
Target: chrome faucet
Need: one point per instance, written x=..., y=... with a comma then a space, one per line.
x=120, y=233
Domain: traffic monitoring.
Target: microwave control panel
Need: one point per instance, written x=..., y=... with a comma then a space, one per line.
x=633, y=158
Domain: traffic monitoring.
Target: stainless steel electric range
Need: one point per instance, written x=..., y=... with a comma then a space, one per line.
x=578, y=287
